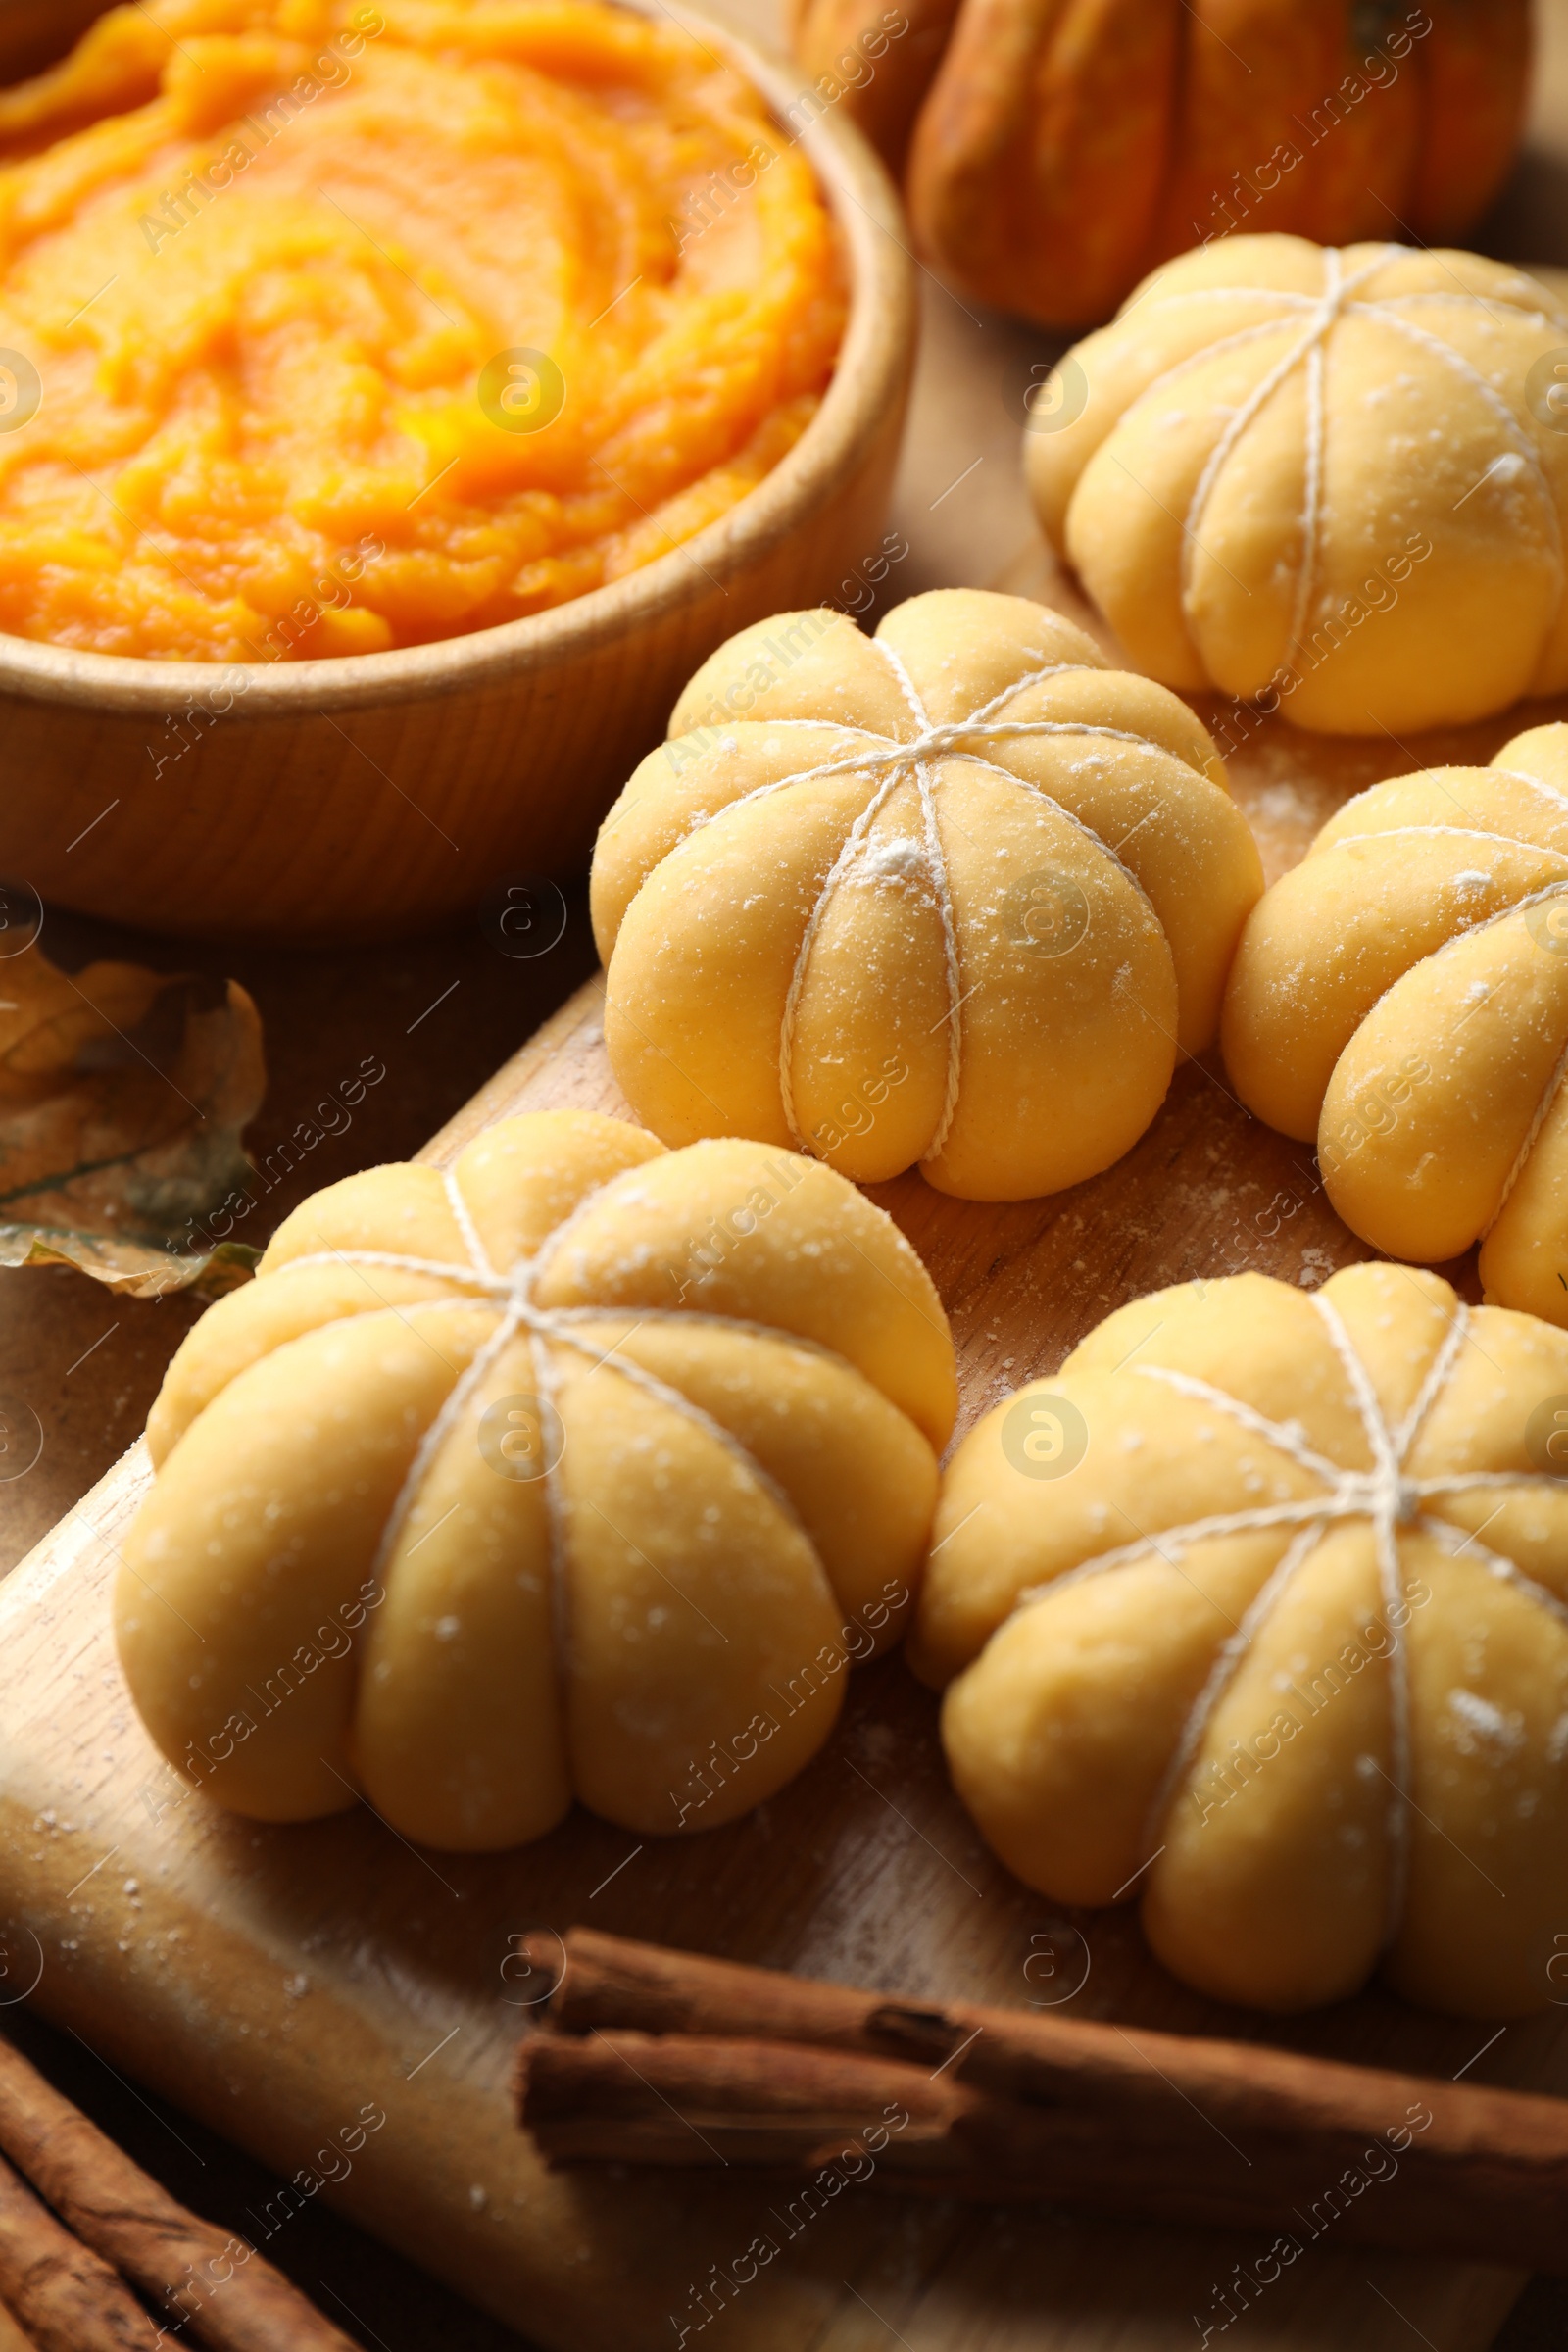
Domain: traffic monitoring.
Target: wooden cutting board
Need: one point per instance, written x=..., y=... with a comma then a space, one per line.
x=282, y=1983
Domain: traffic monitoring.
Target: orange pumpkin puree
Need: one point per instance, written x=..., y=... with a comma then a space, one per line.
x=331, y=327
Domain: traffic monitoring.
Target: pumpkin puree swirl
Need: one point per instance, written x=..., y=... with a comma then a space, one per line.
x=329, y=328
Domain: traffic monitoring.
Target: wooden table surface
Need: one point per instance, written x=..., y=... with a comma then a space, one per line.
x=441, y=1013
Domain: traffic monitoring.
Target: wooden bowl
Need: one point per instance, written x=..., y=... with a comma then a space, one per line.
x=380, y=793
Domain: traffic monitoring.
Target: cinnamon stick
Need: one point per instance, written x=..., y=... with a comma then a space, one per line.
x=62, y=2294
x=213, y=2286
x=668, y=2058
x=11, y=2339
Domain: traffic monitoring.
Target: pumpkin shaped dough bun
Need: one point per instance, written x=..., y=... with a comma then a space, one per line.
x=577, y=1468
x=954, y=895
x=1333, y=481
x=1402, y=998
x=1258, y=1616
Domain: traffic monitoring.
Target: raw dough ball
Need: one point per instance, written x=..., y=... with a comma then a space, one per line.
x=1403, y=997
x=579, y=1468
x=1336, y=481
x=955, y=894
x=1266, y=1599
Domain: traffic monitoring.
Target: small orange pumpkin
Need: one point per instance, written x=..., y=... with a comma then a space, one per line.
x=1055, y=151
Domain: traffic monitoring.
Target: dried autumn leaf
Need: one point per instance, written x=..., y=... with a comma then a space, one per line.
x=124, y=1094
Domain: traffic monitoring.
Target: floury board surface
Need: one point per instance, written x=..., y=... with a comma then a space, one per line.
x=281, y=1984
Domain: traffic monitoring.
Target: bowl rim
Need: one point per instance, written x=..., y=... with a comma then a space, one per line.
x=868, y=373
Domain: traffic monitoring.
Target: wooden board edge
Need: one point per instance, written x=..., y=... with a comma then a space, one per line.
x=70, y=1542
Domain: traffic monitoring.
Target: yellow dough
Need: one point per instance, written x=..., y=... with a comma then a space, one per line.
x=1402, y=996
x=954, y=893
x=1333, y=480
x=1259, y=1614
x=579, y=1468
